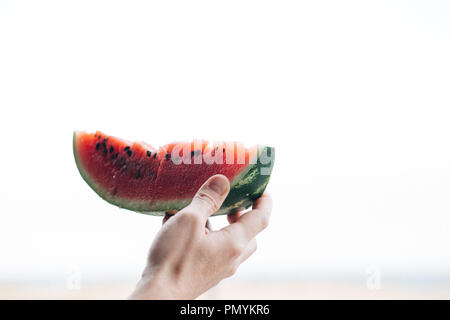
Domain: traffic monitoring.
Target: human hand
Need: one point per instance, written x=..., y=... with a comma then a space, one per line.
x=187, y=258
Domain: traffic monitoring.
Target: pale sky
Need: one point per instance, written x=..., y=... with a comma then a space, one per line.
x=354, y=96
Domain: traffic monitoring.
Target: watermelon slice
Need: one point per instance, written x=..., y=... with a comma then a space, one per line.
x=138, y=177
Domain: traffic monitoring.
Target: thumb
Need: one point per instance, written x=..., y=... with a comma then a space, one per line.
x=209, y=197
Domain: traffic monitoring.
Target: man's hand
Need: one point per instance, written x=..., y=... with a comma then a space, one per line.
x=187, y=258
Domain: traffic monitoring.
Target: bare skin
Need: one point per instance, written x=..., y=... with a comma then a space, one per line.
x=187, y=258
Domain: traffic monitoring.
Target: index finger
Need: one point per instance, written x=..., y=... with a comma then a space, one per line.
x=253, y=222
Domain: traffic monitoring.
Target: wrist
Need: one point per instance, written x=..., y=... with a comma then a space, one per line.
x=152, y=287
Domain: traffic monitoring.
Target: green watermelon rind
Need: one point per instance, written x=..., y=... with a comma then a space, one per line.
x=249, y=185
x=246, y=187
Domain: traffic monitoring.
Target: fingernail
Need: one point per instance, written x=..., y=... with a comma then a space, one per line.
x=218, y=185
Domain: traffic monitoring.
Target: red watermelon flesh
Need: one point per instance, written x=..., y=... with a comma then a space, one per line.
x=136, y=176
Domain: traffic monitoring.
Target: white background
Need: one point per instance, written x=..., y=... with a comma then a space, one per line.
x=354, y=95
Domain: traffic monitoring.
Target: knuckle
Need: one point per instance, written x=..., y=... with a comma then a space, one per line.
x=236, y=249
x=264, y=222
x=207, y=201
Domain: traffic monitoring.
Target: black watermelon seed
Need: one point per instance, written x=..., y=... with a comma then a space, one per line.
x=120, y=162
x=97, y=146
x=154, y=156
x=111, y=149
x=126, y=148
x=167, y=155
x=149, y=154
x=129, y=153
x=104, y=144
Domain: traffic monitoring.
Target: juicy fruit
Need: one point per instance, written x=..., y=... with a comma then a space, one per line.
x=138, y=177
